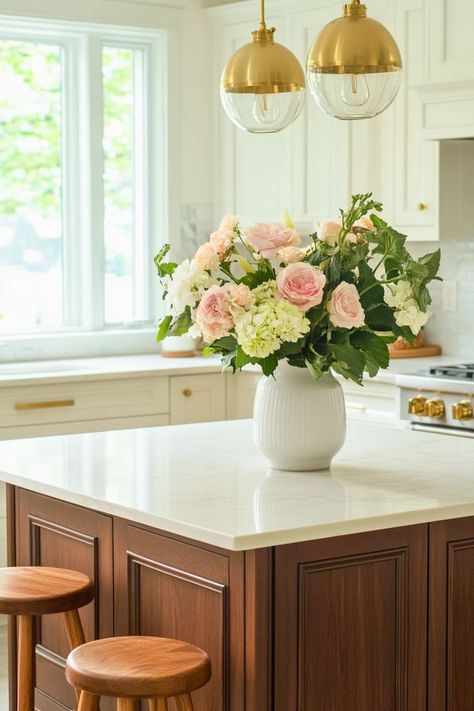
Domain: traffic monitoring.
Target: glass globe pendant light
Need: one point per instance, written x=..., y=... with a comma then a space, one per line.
x=354, y=66
x=263, y=84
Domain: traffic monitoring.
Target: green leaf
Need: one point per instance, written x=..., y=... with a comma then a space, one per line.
x=288, y=348
x=163, y=328
x=164, y=268
x=432, y=262
x=348, y=361
x=373, y=346
x=269, y=364
x=226, y=344
x=380, y=318
x=182, y=323
x=241, y=358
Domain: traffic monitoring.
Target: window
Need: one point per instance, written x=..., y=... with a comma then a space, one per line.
x=81, y=114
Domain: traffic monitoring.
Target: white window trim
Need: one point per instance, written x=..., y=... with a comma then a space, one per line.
x=158, y=29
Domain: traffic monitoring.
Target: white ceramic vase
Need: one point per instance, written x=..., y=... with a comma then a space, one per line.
x=299, y=422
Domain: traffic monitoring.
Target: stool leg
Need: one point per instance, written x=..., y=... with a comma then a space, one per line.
x=158, y=704
x=74, y=631
x=125, y=704
x=88, y=702
x=184, y=703
x=25, y=682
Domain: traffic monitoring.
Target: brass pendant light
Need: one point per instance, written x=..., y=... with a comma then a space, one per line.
x=263, y=84
x=354, y=66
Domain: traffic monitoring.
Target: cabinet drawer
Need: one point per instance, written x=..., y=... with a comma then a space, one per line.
x=197, y=398
x=93, y=400
x=381, y=397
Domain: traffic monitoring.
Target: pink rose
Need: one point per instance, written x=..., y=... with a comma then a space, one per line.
x=268, y=238
x=328, y=231
x=289, y=255
x=240, y=295
x=222, y=240
x=365, y=223
x=228, y=223
x=213, y=315
x=206, y=257
x=301, y=284
x=345, y=310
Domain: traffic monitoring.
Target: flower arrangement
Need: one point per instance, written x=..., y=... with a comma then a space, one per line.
x=260, y=296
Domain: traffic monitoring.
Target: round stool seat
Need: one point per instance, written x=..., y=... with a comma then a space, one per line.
x=37, y=590
x=138, y=667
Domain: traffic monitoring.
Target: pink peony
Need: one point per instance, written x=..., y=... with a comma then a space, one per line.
x=301, y=284
x=240, y=295
x=328, y=231
x=267, y=238
x=222, y=240
x=289, y=255
x=345, y=310
x=206, y=257
x=213, y=315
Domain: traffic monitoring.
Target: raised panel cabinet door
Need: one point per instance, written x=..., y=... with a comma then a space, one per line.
x=450, y=25
x=350, y=623
x=451, y=616
x=171, y=588
x=197, y=398
x=54, y=533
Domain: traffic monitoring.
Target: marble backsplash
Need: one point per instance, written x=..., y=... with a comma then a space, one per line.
x=197, y=223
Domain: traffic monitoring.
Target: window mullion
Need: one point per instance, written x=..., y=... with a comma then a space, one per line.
x=92, y=186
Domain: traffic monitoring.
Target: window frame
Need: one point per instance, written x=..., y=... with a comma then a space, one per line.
x=85, y=332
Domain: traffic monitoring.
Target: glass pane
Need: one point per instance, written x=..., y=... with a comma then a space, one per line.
x=122, y=166
x=31, y=289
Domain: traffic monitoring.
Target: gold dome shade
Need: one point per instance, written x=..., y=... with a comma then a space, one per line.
x=354, y=44
x=263, y=67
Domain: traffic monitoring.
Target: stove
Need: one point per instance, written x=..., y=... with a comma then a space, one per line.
x=439, y=399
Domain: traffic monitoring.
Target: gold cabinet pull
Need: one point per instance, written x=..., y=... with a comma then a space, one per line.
x=187, y=392
x=44, y=405
x=422, y=206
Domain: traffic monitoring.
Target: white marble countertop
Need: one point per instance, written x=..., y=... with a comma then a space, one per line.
x=209, y=483
x=87, y=369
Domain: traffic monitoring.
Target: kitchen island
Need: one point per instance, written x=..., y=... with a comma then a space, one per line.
x=350, y=589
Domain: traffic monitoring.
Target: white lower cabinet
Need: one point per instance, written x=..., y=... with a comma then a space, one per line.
x=197, y=398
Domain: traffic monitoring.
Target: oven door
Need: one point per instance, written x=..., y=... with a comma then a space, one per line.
x=436, y=429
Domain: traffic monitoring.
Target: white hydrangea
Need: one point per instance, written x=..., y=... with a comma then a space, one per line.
x=186, y=286
x=261, y=329
x=400, y=297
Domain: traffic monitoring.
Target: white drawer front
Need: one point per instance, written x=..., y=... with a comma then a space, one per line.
x=93, y=400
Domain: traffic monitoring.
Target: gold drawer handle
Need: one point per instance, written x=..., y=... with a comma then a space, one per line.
x=187, y=392
x=422, y=206
x=44, y=405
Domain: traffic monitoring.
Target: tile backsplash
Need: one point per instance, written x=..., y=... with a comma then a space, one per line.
x=453, y=329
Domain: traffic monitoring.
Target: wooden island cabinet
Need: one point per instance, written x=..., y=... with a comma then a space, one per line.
x=377, y=621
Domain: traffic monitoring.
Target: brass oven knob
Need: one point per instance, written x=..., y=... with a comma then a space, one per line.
x=187, y=392
x=435, y=408
x=463, y=410
x=416, y=406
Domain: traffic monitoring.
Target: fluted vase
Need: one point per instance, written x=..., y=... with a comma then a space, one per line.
x=299, y=422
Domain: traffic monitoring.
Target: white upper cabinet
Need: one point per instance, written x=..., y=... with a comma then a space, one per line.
x=451, y=49
x=320, y=144
x=304, y=169
x=415, y=159
x=253, y=179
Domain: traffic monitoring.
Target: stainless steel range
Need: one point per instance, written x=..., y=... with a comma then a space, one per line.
x=439, y=399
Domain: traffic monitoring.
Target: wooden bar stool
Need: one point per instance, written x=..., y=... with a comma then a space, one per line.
x=130, y=668
x=30, y=591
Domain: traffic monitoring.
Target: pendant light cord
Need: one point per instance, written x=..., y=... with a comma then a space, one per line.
x=262, y=15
